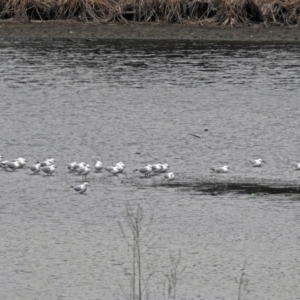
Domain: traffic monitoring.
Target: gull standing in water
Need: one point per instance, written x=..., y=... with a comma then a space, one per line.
x=85, y=172
x=113, y=170
x=35, y=168
x=77, y=166
x=145, y=170
x=156, y=168
x=71, y=166
x=169, y=176
x=121, y=166
x=81, y=168
x=98, y=166
x=257, y=162
x=22, y=161
x=47, y=162
x=50, y=159
x=81, y=188
x=223, y=169
x=49, y=170
x=13, y=165
x=164, y=168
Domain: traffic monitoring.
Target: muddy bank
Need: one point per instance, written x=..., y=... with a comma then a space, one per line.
x=73, y=30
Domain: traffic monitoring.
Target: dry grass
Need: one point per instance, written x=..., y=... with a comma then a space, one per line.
x=225, y=12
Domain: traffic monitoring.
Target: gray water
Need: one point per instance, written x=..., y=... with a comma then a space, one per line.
x=137, y=102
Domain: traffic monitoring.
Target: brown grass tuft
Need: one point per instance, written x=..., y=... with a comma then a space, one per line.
x=28, y=9
x=224, y=12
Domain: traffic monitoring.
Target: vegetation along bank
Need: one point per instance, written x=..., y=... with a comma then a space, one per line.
x=217, y=12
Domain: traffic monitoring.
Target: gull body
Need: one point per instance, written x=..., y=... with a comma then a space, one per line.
x=35, y=168
x=49, y=170
x=156, y=168
x=71, y=166
x=113, y=170
x=146, y=170
x=22, y=161
x=85, y=172
x=46, y=163
x=257, y=162
x=81, y=167
x=77, y=166
x=223, y=169
x=164, y=168
x=50, y=159
x=98, y=166
x=13, y=165
x=121, y=166
x=169, y=176
x=81, y=188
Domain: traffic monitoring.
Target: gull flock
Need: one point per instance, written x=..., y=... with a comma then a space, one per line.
x=48, y=167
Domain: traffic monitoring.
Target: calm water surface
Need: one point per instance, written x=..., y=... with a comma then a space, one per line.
x=136, y=102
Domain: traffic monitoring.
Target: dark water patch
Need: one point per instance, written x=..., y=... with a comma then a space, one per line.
x=214, y=187
x=246, y=188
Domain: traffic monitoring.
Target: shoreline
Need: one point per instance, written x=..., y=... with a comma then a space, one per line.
x=73, y=30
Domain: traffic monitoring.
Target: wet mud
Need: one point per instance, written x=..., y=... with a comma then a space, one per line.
x=73, y=30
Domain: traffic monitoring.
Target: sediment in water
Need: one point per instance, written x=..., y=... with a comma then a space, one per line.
x=219, y=185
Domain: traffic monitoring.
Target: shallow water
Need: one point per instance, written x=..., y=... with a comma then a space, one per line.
x=137, y=102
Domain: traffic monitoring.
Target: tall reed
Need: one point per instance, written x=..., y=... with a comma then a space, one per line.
x=224, y=12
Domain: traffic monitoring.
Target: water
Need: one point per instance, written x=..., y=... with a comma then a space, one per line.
x=137, y=102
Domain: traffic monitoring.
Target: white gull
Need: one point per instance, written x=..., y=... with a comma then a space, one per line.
x=223, y=169
x=81, y=167
x=81, y=188
x=145, y=170
x=49, y=170
x=156, y=168
x=121, y=166
x=22, y=161
x=13, y=165
x=47, y=163
x=35, y=168
x=85, y=172
x=113, y=170
x=257, y=162
x=169, y=176
x=164, y=168
x=71, y=166
x=98, y=166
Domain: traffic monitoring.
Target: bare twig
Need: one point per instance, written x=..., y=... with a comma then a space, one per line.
x=138, y=242
x=174, y=275
x=195, y=135
x=242, y=282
